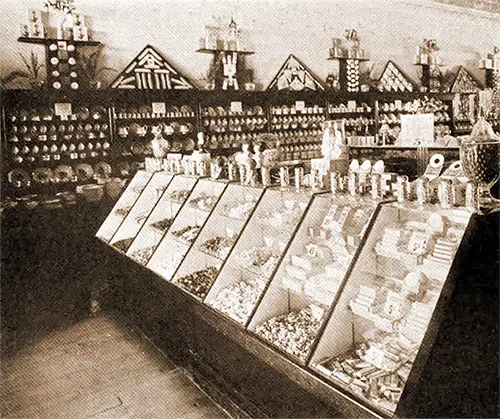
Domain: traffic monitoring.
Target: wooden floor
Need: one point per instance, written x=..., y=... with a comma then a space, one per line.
x=100, y=368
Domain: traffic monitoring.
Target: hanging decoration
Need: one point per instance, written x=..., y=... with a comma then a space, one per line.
x=294, y=76
x=150, y=71
x=394, y=80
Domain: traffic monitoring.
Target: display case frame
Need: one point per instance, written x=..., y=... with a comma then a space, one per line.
x=347, y=338
x=138, y=214
x=183, y=227
x=328, y=210
x=215, y=226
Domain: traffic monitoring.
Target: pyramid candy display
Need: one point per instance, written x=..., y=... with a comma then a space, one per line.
x=393, y=79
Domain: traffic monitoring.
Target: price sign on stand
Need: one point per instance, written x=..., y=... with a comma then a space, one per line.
x=236, y=107
x=159, y=108
x=300, y=105
x=63, y=110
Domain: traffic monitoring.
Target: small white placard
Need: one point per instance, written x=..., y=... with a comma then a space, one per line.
x=351, y=105
x=300, y=105
x=417, y=129
x=236, y=107
x=159, y=108
x=63, y=110
x=398, y=104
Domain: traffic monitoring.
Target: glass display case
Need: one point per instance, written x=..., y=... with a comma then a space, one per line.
x=185, y=229
x=217, y=238
x=257, y=253
x=384, y=317
x=140, y=211
x=161, y=218
x=292, y=311
x=123, y=205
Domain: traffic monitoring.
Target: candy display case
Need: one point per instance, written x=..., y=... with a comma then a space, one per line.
x=383, y=324
x=123, y=205
x=254, y=258
x=185, y=229
x=307, y=282
x=140, y=211
x=212, y=247
x=161, y=218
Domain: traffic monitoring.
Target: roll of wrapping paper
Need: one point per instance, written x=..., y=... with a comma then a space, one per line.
x=284, y=177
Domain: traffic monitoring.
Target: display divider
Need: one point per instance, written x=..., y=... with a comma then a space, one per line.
x=347, y=274
x=139, y=173
x=201, y=227
x=234, y=244
x=283, y=253
x=150, y=182
x=174, y=177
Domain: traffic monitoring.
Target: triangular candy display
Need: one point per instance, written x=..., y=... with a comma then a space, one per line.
x=295, y=76
x=464, y=82
x=393, y=80
x=150, y=71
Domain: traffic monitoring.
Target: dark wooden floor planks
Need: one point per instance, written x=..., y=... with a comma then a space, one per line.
x=100, y=368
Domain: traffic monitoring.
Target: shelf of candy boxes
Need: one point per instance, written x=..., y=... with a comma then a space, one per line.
x=309, y=150
x=462, y=124
x=389, y=112
x=341, y=109
x=232, y=140
x=146, y=112
x=220, y=120
x=299, y=120
x=60, y=175
x=42, y=137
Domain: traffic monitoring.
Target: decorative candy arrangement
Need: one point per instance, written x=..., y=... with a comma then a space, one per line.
x=293, y=332
x=198, y=283
x=187, y=234
x=123, y=245
x=218, y=246
x=179, y=196
x=203, y=202
x=163, y=225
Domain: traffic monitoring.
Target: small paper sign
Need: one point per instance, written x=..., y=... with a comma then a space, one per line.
x=300, y=105
x=398, y=104
x=159, y=108
x=236, y=107
x=63, y=110
x=351, y=105
x=417, y=129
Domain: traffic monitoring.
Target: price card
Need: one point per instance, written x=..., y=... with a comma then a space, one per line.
x=63, y=110
x=351, y=105
x=159, y=108
x=398, y=104
x=236, y=107
x=300, y=105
